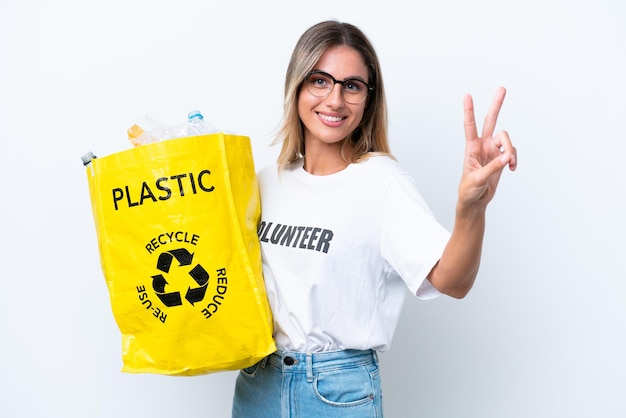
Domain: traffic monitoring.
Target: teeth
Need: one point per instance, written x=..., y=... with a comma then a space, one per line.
x=331, y=118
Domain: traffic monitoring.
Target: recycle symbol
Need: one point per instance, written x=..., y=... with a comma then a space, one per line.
x=198, y=274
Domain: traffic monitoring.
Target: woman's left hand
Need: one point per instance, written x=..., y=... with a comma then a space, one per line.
x=485, y=158
x=485, y=155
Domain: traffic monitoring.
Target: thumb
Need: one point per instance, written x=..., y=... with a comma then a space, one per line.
x=496, y=165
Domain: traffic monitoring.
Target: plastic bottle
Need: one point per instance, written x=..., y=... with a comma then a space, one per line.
x=87, y=157
x=197, y=120
x=194, y=126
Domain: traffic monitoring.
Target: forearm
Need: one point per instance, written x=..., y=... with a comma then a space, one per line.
x=458, y=266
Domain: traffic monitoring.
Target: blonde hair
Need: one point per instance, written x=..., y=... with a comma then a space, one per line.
x=370, y=137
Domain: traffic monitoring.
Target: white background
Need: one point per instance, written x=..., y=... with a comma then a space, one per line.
x=542, y=334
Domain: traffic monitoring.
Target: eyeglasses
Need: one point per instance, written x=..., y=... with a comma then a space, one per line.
x=320, y=84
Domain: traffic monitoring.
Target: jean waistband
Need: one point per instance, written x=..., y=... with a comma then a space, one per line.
x=297, y=362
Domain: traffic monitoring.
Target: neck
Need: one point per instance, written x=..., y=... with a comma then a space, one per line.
x=325, y=159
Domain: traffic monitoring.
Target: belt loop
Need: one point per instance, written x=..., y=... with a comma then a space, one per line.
x=375, y=355
x=264, y=362
x=309, y=367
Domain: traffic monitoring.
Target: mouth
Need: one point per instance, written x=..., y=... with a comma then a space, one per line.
x=332, y=119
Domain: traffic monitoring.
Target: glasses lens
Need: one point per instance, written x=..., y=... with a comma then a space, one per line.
x=354, y=91
x=321, y=84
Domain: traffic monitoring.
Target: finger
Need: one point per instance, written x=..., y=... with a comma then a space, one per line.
x=497, y=143
x=500, y=140
x=492, y=115
x=503, y=141
x=494, y=167
x=513, y=161
x=509, y=152
x=469, y=122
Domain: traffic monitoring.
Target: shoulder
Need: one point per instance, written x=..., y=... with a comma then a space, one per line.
x=275, y=169
x=394, y=182
x=268, y=170
x=383, y=167
x=273, y=173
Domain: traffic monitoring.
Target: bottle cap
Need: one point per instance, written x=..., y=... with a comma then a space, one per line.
x=87, y=157
x=195, y=114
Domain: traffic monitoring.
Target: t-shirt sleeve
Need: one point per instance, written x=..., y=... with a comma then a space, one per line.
x=412, y=240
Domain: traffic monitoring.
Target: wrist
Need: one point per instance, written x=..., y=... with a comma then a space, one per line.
x=470, y=211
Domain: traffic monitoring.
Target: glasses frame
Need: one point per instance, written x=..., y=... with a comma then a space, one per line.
x=335, y=81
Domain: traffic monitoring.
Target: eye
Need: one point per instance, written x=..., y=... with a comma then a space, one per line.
x=320, y=81
x=353, y=86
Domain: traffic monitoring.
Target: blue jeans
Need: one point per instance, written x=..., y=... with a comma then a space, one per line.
x=298, y=385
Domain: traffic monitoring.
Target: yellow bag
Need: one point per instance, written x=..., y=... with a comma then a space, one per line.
x=176, y=224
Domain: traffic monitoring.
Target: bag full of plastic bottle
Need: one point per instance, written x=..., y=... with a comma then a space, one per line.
x=176, y=223
x=150, y=130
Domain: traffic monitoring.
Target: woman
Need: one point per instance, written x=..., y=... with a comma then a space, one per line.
x=344, y=232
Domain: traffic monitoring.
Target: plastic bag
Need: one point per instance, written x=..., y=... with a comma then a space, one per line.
x=176, y=224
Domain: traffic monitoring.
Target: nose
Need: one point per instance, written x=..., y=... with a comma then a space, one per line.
x=335, y=97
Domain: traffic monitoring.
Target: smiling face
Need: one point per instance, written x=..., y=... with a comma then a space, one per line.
x=328, y=120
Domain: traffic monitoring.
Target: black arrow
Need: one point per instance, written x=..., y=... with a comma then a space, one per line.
x=195, y=295
x=183, y=256
x=200, y=275
x=170, y=299
x=158, y=283
x=165, y=262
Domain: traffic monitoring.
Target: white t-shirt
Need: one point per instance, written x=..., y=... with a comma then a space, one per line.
x=340, y=251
